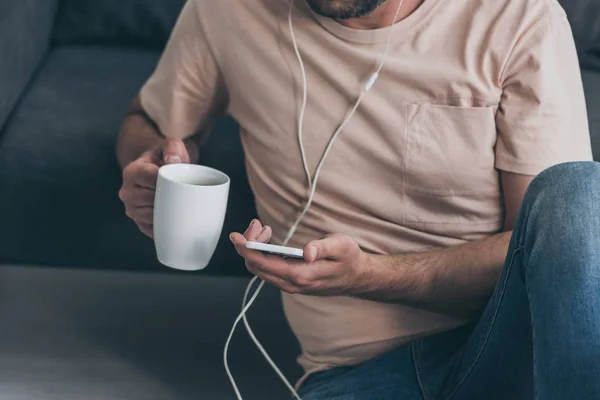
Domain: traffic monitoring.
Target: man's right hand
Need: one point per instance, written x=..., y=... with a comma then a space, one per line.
x=139, y=180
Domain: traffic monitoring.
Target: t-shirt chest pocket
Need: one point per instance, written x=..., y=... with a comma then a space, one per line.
x=449, y=164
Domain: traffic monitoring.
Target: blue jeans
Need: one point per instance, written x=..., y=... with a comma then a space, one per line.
x=539, y=336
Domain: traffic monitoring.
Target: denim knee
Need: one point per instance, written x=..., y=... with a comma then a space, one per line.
x=565, y=189
x=560, y=215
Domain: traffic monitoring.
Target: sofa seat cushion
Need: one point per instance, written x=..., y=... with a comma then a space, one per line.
x=58, y=175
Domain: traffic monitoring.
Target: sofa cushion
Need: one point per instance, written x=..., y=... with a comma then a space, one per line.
x=584, y=16
x=591, y=83
x=116, y=22
x=25, y=27
x=58, y=174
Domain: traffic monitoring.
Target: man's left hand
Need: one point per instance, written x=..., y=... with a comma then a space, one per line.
x=332, y=266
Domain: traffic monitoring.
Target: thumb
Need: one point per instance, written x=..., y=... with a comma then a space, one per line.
x=334, y=247
x=175, y=152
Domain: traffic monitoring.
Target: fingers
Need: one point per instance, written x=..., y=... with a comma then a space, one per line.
x=137, y=196
x=141, y=215
x=327, y=269
x=175, y=152
x=146, y=176
x=256, y=232
x=138, y=191
x=239, y=241
x=146, y=229
x=273, y=279
x=139, y=182
x=141, y=173
x=265, y=235
x=253, y=230
x=333, y=247
x=258, y=261
x=291, y=276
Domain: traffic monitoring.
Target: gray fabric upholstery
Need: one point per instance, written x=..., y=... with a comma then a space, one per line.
x=57, y=163
x=116, y=22
x=24, y=35
x=591, y=82
x=584, y=16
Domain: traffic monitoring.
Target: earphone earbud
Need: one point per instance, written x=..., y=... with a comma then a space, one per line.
x=312, y=185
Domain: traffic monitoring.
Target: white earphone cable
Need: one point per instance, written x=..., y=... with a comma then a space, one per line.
x=235, y=323
x=304, y=93
x=312, y=183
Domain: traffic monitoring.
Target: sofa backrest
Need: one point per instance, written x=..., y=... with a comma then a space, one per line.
x=139, y=23
x=584, y=16
x=25, y=27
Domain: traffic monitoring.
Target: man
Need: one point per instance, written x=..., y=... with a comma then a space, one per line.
x=406, y=291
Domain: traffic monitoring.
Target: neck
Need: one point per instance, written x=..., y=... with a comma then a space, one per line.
x=383, y=16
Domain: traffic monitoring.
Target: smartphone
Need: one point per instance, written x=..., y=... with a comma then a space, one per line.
x=282, y=251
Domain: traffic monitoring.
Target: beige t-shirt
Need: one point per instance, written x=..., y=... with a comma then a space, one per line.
x=469, y=88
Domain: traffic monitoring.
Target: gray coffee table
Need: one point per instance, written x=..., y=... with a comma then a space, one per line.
x=83, y=334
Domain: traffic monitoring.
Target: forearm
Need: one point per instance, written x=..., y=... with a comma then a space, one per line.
x=138, y=134
x=455, y=281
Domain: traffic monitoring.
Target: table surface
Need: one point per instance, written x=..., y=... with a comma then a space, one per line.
x=69, y=334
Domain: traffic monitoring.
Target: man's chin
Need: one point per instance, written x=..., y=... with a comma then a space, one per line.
x=344, y=9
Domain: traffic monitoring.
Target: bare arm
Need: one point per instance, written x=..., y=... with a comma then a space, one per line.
x=139, y=134
x=456, y=281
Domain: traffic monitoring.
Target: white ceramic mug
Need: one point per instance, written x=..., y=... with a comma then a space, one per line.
x=189, y=211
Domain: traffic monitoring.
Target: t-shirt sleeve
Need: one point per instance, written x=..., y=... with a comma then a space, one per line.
x=186, y=90
x=542, y=118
